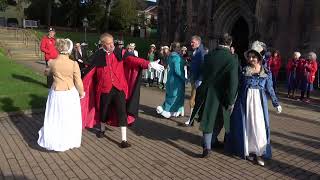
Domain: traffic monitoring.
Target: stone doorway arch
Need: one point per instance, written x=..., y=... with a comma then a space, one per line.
x=240, y=34
x=226, y=16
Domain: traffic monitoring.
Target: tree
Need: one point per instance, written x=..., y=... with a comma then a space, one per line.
x=107, y=13
x=123, y=14
x=49, y=12
x=3, y=4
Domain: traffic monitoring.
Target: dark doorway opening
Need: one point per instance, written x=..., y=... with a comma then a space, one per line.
x=240, y=34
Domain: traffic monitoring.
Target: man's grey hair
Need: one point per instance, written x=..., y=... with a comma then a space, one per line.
x=196, y=37
x=313, y=55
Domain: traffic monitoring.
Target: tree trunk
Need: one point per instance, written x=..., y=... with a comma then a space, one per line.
x=49, y=12
x=107, y=14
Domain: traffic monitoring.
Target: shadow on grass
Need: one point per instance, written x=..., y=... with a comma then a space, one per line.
x=28, y=79
x=28, y=125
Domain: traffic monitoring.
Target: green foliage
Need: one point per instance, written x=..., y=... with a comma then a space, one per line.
x=20, y=88
x=3, y=4
x=123, y=14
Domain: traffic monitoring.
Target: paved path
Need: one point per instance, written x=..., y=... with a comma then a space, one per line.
x=162, y=149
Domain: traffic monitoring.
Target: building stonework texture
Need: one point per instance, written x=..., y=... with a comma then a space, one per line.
x=286, y=25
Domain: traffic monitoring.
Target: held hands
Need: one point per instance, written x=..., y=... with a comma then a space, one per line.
x=156, y=66
x=279, y=109
x=84, y=94
x=197, y=83
x=46, y=71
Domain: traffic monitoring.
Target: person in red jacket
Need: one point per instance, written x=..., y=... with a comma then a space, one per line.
x=47, y=46
x=292, y=74
x=309, y=75
x=112, y=88
x=274, y=65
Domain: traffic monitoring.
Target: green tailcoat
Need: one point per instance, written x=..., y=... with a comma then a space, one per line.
x=218, y=89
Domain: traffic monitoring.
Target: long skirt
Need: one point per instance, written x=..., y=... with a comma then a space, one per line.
x=163, y=76
x=62, y=128
x=255, y=136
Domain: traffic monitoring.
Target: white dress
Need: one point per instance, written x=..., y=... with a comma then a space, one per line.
x=255, y=131
x=62, y=128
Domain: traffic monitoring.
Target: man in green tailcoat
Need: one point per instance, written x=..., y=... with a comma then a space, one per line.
x=217, y=93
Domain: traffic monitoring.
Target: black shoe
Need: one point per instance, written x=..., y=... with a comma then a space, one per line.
x=206, y=153
x=217, y=144
x=125, y=144
x=100, y=134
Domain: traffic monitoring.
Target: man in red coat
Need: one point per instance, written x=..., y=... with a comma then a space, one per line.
x=112, y=88
x=47, y=46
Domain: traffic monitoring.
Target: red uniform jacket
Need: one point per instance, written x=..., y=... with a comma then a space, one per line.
x=292, y=66
x=124, y=75
x=301, y=69
x=311, y=67
x=274, y=64
x=48, y=47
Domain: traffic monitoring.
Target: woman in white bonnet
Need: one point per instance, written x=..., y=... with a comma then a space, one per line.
x=62, y=128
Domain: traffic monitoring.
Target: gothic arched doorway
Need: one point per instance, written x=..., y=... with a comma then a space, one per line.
x=240, y=34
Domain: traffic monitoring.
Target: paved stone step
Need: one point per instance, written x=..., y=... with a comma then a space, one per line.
x=7, y=36
x=23, y=51
x=18, y=46
x=25, y=59
x=24, y=55
x=13, y=43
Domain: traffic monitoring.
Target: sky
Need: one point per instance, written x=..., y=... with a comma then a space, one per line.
x=152, y=0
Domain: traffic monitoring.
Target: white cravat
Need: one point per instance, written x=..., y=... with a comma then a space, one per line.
x=80, y=52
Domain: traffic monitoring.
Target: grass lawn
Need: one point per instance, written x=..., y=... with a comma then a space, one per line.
x=142, y=45
x=20, y=87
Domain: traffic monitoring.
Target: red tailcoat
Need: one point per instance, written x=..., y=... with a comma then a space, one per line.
x=292, y=65
x=311, y=67
x=274, y=64
x=301, y=69
x=122, y=74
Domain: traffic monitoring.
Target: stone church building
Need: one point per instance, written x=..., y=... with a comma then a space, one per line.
x=286, y=25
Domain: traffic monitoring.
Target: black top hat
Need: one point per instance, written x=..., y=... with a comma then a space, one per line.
x=51, y=29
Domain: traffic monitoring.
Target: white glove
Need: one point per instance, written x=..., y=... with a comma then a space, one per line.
x=80, y=60
x=84, y=94
x=197, y=83
x=279, y=109
x=156, y=66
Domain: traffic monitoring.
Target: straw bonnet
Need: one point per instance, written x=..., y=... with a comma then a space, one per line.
x=165, y=47
x=257, y=48
x=152, y=45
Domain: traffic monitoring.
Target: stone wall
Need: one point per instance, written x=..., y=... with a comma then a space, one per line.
x=286, y=25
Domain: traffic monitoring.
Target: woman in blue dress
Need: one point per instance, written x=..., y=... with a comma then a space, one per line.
x=175, y=85
x=249, y=127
